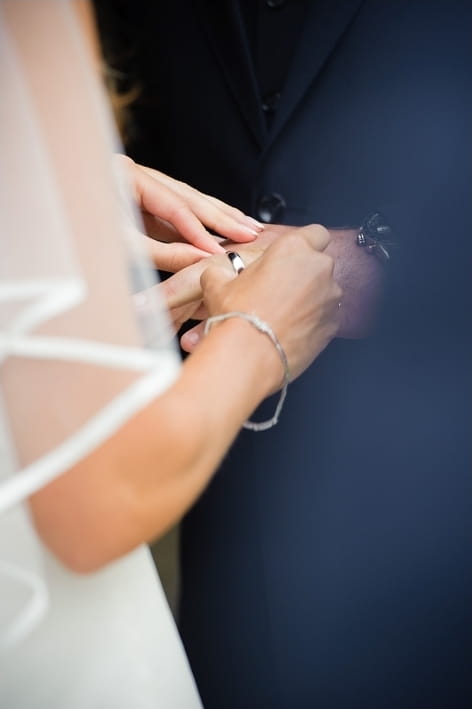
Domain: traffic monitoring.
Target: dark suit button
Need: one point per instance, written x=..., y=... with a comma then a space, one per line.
x=275, y=3
x=270, y=207
x=270, y=102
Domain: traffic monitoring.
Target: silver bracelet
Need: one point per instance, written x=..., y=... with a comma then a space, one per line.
x=263, y=327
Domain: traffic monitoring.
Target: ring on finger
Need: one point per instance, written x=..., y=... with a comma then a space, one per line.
x=236, y=262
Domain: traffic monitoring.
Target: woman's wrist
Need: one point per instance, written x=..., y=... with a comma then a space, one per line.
x=265, y=329
x=262, y=364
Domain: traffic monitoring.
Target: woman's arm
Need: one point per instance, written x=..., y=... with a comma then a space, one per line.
x=145, y=476
x=140, y=481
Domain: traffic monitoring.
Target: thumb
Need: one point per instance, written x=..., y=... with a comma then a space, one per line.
x=215, y=277
x=192, y=337
x=316, y=235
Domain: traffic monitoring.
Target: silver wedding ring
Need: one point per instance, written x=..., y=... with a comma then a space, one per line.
x=236, y=262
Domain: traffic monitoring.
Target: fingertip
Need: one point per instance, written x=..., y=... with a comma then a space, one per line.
x=202, y=253
x=251, y=230
x=244, y=235
x=218, y=249
x=254, y=224
x=209, y=246
x=189, y=341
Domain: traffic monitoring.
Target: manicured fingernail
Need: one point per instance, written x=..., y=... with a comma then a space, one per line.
x=192, y=338
x=255, y=224
x=251, y=230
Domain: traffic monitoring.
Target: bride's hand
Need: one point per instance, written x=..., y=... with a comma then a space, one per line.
x=176, y=215
x=182, y=292
x=185, y=287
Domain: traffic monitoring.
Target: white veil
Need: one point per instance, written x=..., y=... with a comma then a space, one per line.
x=75, y=362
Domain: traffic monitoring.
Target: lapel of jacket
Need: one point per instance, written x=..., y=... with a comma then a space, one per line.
x=227, y=38
x=325, y=23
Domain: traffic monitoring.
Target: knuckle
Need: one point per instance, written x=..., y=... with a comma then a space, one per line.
x=326, y=263
x=178, y=209
x=338, y=292
x=210, y=273
x=321, y=231
x=205, y=276
x=320, y=235
x=292, y=240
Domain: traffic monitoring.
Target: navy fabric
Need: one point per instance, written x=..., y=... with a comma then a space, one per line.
x=328, y=564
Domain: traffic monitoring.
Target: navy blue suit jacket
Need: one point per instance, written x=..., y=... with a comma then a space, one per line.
x=328, y=563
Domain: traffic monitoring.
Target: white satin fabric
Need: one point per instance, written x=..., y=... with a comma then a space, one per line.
x=106, y=641
x=67, y=326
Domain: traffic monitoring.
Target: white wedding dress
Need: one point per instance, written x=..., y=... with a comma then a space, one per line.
x=104, y=640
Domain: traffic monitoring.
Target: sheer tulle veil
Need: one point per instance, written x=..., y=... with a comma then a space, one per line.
x=68, y=331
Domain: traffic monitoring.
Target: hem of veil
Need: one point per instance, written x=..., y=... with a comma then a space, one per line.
x=53, y=296
x=97, y=429
x=26, y=619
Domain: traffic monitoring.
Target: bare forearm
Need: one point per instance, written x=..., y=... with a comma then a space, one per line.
x=143, y=479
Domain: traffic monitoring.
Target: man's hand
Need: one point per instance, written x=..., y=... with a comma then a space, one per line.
x=358, y=273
